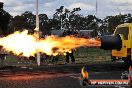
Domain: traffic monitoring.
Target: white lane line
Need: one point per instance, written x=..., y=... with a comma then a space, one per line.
x=4, y=70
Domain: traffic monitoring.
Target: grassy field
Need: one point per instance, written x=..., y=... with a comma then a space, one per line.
x=90, y=55
x=82, y=55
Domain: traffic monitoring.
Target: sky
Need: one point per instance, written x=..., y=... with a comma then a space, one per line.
x=88, y=7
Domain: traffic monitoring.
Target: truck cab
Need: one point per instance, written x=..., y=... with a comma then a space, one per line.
x=125, y=32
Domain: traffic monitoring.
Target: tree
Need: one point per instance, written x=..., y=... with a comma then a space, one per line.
x=45, y=24
x=24, y=21
x=30, y=20
x=19, y=23
x=111, y=22
x=27, y=21
x=5, y=19
x=1, y=5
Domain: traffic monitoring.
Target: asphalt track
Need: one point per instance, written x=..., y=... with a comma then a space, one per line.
x=58, y=76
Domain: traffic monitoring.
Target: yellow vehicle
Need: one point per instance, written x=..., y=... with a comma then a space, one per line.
x=125, y=52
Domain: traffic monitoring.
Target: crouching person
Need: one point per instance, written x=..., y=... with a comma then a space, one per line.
x=84, y=81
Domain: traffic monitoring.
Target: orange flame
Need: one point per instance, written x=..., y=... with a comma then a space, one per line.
x=26, y=45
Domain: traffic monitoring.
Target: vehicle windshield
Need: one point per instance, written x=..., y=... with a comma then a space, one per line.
x=124, y=31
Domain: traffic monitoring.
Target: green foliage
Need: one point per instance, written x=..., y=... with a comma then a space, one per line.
x=110, y=22
x=27, y=20
x=1, y=5
x=5, y=19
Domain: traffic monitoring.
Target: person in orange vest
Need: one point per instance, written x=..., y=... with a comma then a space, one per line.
x=85, y=77
x=130, y=75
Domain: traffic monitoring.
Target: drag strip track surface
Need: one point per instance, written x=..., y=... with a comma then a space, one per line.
x=58, y=76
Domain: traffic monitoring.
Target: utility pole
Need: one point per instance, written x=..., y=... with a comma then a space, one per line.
x=37, y=31
x=96, y=7
x=61, y=20
x=98, y=32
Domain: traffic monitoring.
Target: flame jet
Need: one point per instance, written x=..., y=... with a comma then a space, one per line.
x=21, y=43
